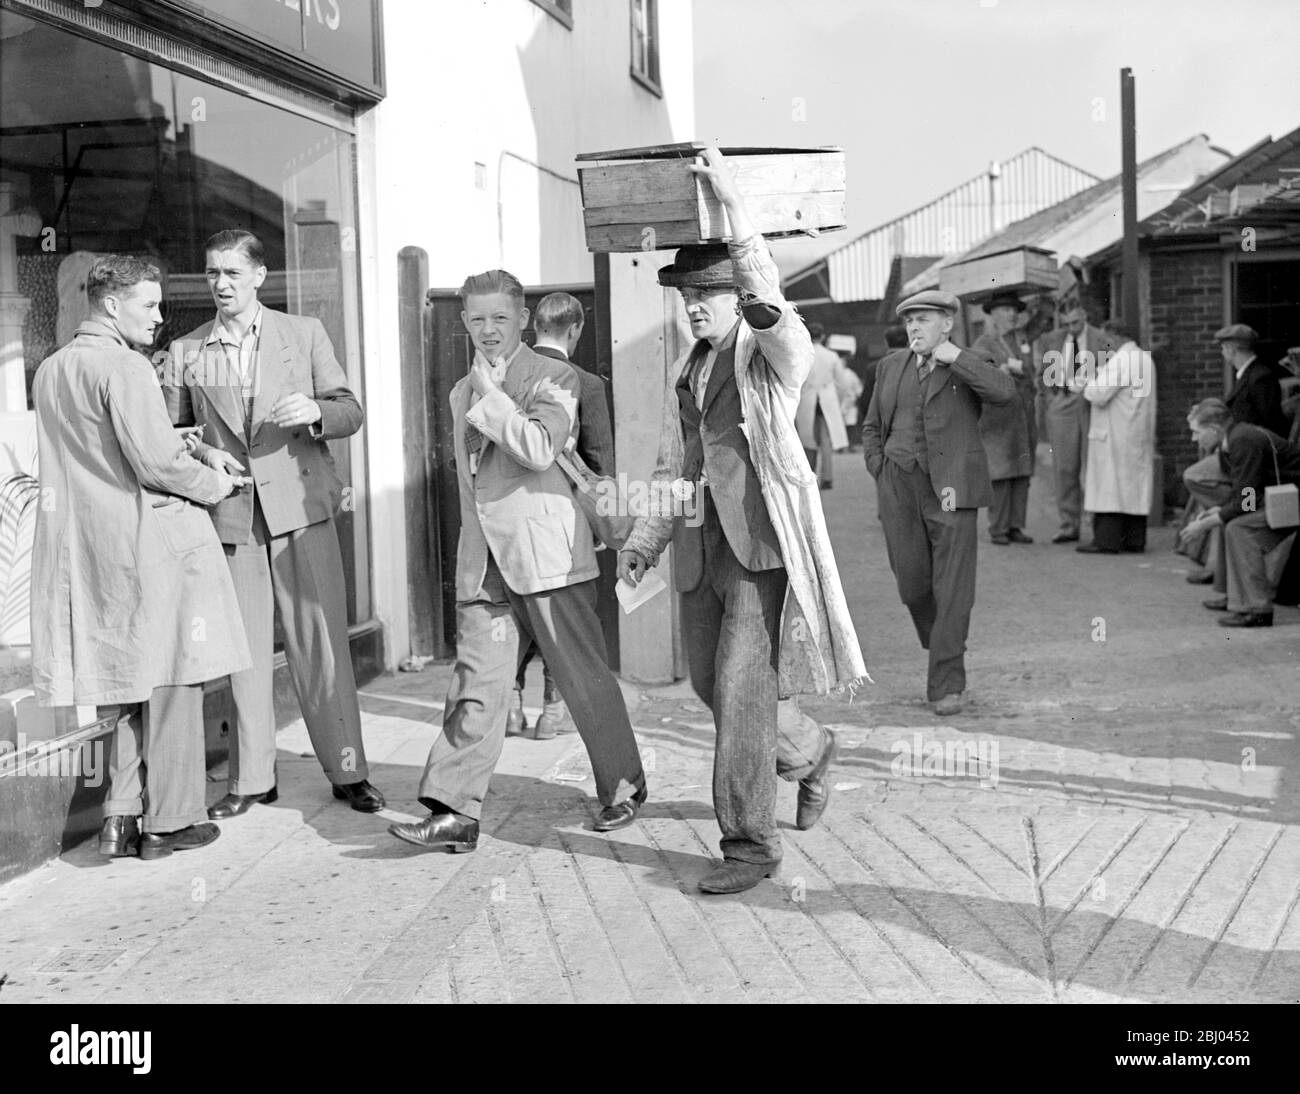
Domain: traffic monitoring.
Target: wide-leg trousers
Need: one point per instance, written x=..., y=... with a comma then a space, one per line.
x=733, y=641
x=932, y=552
x=156, y=760
x=564, y=624
x=298, y=576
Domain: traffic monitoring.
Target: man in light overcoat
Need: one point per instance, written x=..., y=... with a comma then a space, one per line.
x=132, y=606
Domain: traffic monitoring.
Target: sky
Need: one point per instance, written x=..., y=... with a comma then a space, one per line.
x=923, y=94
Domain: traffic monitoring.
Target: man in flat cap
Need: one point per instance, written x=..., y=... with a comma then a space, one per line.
x=1254, y=399
x=764, y=611
x=1256, y=395
x=1074, y=348
x=1009, y=432
x=922, y=444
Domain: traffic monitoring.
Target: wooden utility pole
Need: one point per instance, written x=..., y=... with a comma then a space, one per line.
x=1128, y=137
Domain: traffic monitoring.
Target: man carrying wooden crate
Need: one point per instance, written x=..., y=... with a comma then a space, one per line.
x=765, y=614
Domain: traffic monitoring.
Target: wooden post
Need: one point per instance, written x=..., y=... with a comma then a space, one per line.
x=423, y=557
x=1128, y=139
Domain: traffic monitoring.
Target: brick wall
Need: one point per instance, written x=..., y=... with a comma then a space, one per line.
x=1186, y=309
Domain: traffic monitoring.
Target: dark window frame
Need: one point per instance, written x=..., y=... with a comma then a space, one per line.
x=649, y=78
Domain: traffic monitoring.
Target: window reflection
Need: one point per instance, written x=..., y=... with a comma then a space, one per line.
x=101, y=152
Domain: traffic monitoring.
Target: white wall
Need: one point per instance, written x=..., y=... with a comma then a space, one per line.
x=503, y=84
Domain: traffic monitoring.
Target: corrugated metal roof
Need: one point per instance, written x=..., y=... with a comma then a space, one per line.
x=950, y=224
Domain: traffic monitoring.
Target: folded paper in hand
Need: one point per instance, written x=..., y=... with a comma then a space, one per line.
x=633, y=596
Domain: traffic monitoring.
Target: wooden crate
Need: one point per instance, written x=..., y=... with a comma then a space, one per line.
x=646, y=199
x=1023, y=269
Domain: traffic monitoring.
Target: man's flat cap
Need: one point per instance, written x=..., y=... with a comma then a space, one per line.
x=931, y=298
x=705, y=266
x=1237, y=332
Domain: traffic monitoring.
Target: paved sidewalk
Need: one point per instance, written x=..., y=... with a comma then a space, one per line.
x=1114, y=818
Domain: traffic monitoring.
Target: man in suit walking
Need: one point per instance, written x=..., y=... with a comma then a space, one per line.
x=269, y=393
x=764, y=612
x=923, y=447
x=558, y=323
x=526, y=561
x=132, y=607
x=1073, y=348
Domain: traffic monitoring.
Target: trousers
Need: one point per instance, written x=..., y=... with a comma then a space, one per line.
x=1255, y=556
x=932, y=552
x=733, y=635
x=1010, y=508
x=1209, y=486
x=1067, y=432
x=156, y=763
x=299, y=578
x=564, y=624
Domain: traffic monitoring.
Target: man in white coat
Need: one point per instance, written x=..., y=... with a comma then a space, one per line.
x=1118, y=486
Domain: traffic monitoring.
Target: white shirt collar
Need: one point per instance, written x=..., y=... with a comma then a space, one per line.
x=1245, y=366
x=219, y=328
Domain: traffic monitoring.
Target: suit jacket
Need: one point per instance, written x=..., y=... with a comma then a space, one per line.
x=520, y=505
x=130, y=589
x=1249, y=463
x=953, y=398
x=1095, y=342
x=595, y=433
x=1256, y=399
x=1010, y=432
x=296, y=481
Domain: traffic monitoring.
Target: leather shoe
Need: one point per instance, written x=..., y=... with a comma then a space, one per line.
x=236, y=805
x=1216, y=603
x=1001, y=541
x=363, y=797
x=1065, y=537
x=1017, y=536
x=161, y=844
x=814, y=789
x=948, y=705
x=440, y=832
x=614, y=817
x=550, y=722
x=1247, y=619
x=735, y=877
x=120, y=837
x=1200, y=577
x=1093, y=549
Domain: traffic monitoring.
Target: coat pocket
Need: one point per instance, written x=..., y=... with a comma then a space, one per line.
x=551, y=536
x=184, y=528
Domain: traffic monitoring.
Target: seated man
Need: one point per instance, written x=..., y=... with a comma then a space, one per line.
x=1253, y=459
x=1208, y=486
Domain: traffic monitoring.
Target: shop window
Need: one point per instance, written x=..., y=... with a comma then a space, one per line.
x=645, y=43
x=102, y=152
